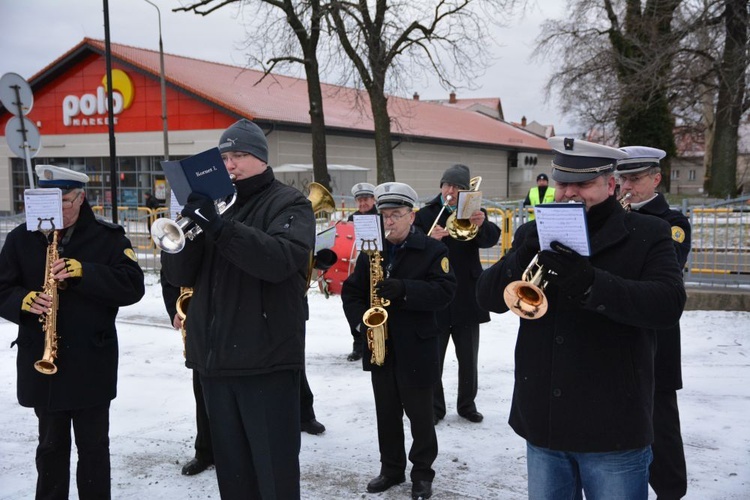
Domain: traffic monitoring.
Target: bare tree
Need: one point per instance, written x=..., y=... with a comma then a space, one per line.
x=287, y=20
x=671, y=59
x=389, y=41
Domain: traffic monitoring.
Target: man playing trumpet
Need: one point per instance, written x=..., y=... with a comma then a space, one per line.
x=584, y=373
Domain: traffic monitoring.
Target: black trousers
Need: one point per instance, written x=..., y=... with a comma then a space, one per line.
x=204, y=450
x=392, y=399
x=91, y=429
x=306, y=398
x=466, y=342
x=255, y=429
x=668, y=472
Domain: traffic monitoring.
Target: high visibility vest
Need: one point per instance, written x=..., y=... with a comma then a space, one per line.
x=549, y=197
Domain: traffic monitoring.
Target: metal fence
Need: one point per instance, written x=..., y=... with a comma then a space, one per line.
x=720, y=254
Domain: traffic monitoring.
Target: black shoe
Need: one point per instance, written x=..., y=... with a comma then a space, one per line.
x=354, y=356
x=313, y=427
x=195, y=466
x=382, y=483
x=421, y=489
x=473, y=416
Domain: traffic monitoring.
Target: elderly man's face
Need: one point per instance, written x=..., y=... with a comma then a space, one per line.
x=589, y=193
x=641, y=185
x=448, y=189
x=365, y=203
x=397, y=223
x=71, y=206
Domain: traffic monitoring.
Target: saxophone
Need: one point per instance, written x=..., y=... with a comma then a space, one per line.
x=186, y=293
x=376, y=316
x=46, y=365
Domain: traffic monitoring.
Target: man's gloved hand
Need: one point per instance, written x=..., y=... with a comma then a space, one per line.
x=29, y=305
x=73, y=267
x=528, y=248
x=202, y=210
x=571, y=272
x=391, y=289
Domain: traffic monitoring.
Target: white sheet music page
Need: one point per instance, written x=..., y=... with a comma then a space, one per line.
x=368, y=228
x=563, y=222
x=468, y=203
x=174, y=206
x=43, y=205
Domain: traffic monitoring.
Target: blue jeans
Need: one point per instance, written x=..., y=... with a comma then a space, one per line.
x=560, y=475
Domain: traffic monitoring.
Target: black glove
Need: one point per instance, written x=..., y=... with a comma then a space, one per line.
x=528, y=248
x=202, y=210
x=571, y=272
x=391, y=289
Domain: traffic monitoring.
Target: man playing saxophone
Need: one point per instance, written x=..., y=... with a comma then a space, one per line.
x=98, y=266
x=416, y=281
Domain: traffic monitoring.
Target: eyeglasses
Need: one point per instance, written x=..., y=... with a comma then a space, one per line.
x=235, y=157
x=69, y=203
x=395, y=217
x=633, y=179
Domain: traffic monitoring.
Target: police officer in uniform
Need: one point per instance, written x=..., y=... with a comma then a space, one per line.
x=541, y=193
x=583, y=392
x=364, y=196
x=461, y=319
x=100, y=273
x=639, y=176
x=417, y=281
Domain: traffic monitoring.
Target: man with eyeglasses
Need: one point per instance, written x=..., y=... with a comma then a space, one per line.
x=459, y=321
x=97, y=272
x=418, y=281
x=246, y=323
x=584, y=373
x=639, y=175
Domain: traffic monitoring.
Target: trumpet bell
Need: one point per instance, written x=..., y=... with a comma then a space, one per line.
x=168, y=235
x=525, y=299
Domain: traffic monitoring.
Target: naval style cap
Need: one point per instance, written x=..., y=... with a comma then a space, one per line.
x=576, y=160
x=395, y=195
x=639, y=158
x=51, y=176
x=363, y=189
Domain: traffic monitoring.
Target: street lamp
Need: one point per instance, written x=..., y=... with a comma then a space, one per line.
x=163, y=86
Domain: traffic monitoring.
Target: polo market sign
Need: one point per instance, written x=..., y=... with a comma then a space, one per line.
x=91, y=109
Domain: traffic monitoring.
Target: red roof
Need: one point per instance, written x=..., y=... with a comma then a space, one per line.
x=283, y=99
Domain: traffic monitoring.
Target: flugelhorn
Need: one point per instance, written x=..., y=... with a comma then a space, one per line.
x=463, y=229
x=525, y=297
x=170, y=235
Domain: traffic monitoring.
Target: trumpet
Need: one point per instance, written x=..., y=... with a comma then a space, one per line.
x=463, y=229
x=170, y=235
x=625, y=201
x=525, y=297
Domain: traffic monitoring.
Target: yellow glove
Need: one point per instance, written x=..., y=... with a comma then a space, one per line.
x=28, y=301
x=73, y=267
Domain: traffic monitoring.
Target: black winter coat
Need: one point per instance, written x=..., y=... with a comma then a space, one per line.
x=248, y=310
x=412, y=345
x=464, y=258
x=668, y=362
x=584, y=377
x=87, y=338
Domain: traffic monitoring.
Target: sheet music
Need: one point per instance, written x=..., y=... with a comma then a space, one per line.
x=325, y=239
x=174, y=206
x=468, y=203
x=368, y=227
x=563, y=222
x=44, y=204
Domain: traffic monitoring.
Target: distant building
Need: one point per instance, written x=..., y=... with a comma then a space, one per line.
x=203, y=98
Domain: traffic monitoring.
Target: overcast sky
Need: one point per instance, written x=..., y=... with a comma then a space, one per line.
x=33, y=33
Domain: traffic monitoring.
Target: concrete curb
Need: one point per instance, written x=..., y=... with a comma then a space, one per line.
x=717, y=299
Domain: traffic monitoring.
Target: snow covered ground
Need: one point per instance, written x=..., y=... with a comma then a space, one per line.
x=152, y=419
